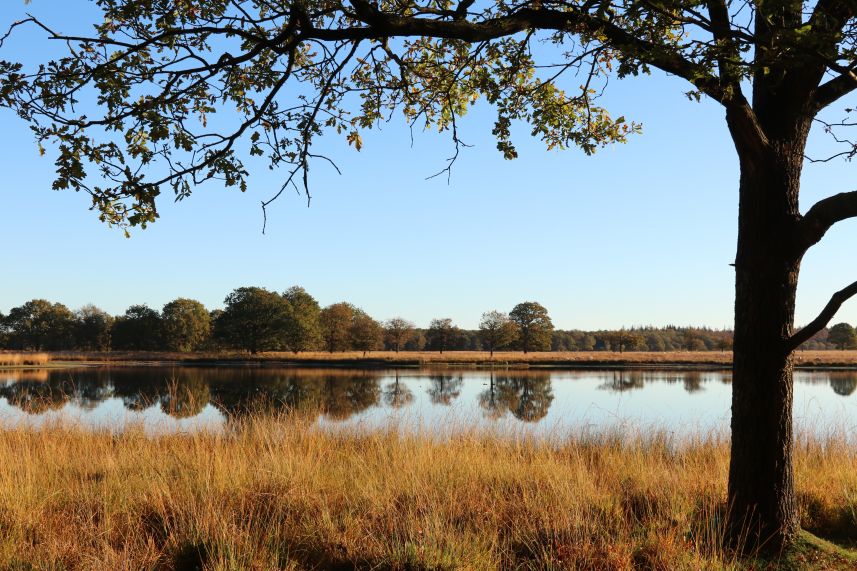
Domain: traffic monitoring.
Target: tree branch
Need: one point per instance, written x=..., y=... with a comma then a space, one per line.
x=824, y=214
x=835, y=89
x=823, y=318
x=383, y=25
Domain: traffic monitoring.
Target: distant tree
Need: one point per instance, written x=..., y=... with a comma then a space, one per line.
x=587, y=343
x=440, y=334
x=417, y=342
x=138, y=330
x=93, y=329
x=687, y=338
x=335, y=322
x=365, y=333
x=534, y=326
x=186, y=325
x=497, y=330
x=4, y=332
x=303, y=328
x=397, y=332
x=40, y=324
x=253, y=319
x=843, y=336
x=655, y=342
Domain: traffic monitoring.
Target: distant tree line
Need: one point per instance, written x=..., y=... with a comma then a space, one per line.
x=255, y=319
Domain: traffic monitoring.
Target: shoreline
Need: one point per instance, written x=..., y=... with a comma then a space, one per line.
x=593, y=360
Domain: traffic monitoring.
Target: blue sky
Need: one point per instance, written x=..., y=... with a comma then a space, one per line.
x=641, y=233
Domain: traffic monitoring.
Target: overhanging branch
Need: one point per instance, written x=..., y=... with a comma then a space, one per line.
x=824, y=214
x=835, y=89
x=823, y=318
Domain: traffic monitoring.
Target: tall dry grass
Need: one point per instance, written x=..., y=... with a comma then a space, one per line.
x=511, y=359
x=9, y=359
x=283, y=494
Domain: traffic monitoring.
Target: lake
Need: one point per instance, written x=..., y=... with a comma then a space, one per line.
x=181, y=399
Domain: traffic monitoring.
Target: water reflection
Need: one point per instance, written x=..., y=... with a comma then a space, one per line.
x=844, y=383
x=219, y=396
x=397, y=394
x=443, y=389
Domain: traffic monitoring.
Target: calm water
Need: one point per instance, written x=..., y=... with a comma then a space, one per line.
x=187, y=399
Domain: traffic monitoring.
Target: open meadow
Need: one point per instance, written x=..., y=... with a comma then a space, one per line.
x=279, y=493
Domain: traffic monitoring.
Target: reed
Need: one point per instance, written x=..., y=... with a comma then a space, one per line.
x=283, y=493
x=9, y=359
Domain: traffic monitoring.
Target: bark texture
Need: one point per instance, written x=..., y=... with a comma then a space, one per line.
x=762, y=503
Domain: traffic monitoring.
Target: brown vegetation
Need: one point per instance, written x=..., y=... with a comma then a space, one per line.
x=458, y=358
x=282, y=494
x=8, y=359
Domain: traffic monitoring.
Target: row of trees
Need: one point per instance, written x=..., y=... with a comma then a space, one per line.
x=255, y=319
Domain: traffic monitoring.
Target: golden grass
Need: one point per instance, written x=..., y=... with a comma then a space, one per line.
x=8, y=359
x=512, y=359
x=282, y=494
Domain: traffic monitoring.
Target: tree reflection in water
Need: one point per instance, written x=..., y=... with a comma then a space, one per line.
x=622, y=381
x=397, y=395
x=344, y=396
x=237, y=392
x=443, y=389
x=843, y=383
x=187, y=394
x=527, y=397
x=36, y=397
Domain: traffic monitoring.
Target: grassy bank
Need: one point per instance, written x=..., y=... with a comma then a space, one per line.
x=278, y=494
x=10, y=359
x=510, y=359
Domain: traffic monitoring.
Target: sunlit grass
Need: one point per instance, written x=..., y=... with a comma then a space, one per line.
x=279, y=493
x=460, y=358
x=8, y=359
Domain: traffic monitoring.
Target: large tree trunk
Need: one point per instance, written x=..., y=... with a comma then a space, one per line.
x=762, y=504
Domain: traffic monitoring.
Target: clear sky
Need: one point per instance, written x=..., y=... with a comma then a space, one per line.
x=641, y=233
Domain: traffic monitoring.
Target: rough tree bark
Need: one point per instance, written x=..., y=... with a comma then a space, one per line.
x=762, y=502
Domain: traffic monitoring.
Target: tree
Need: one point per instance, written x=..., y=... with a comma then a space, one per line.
x=533, y=325
x=148, y=65
x=40, y=324
x=335, y=322
x=186, y=325
x=4, y=332
x=398, y=331
x=93, y=328
x=496, y=330
x=843, y=336
x=440, y=334
x=303, y=328
x=139, y=329
x=365, y=333
x=254, y=319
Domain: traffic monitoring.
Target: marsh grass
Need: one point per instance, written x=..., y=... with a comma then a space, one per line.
x=280, y=493
x=510, y=359
x=9, y=359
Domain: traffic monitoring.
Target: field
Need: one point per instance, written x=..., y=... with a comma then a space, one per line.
x=278, y=493
x=512, y=359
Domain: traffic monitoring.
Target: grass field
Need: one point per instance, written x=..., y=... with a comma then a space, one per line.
x=278, y=493
x=458, y=358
